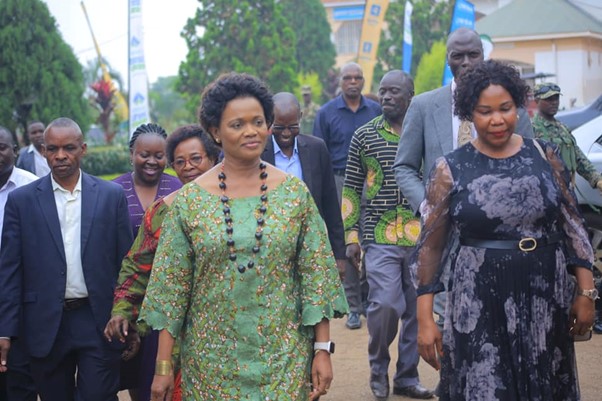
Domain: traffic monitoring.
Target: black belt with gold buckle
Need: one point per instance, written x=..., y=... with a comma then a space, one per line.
x=527, y=244
x=74, y=303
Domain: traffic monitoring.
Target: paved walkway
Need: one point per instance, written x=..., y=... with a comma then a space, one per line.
x=351, y=370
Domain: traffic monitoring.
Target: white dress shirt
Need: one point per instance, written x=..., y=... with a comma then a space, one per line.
x=17, y=179
x=69, y=208
x=40, y=162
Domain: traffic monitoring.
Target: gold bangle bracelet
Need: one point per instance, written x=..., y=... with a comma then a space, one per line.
x=163, y=368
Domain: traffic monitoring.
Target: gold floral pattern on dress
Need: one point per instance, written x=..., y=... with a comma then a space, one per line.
x=244, y=336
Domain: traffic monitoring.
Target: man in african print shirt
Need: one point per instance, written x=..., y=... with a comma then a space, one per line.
x=389, y=231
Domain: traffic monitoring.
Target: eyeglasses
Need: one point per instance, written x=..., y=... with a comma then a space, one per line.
x=194, y=161
x=543, y=89
x=353, y=78
x=279, y=129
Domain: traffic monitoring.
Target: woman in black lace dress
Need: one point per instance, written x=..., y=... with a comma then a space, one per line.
x=500, y=215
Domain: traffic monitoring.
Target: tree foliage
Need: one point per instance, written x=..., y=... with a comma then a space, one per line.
x=313, y=80
x=315, y=52
x=429, y=74
x=40, y=77
x=244, y=36
x=430, y=23
x=167, y=106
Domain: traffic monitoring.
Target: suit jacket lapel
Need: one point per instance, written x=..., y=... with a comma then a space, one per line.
x=443, y=119
x=306, y=159
x=268, y=152
x=89, y=200
x=48, y=206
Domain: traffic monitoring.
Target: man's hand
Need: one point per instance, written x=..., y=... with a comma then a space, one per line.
x=117, y=327
x=354, y=255
x=4, y=348
x=599, y=185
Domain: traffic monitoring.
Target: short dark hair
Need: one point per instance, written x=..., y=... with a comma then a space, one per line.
x=150, y=128
x=65, y=122
x=32, y=122
x=191, y=131
x=478, y=78
x=231, y=86
x=4, y=130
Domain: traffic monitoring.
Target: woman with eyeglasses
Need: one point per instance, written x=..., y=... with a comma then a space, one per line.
x=500, y=214
x=144, y=185
x=244, y=274
x=191, y=153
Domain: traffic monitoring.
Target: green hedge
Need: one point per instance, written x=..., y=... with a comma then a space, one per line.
x=102, y=160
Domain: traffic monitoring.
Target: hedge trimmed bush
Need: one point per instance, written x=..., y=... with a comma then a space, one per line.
x=103, y=160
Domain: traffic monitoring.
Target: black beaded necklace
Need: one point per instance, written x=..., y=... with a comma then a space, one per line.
x=261, y=210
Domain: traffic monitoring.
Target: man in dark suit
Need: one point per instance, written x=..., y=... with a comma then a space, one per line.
x=307, y=158
x=63, y=240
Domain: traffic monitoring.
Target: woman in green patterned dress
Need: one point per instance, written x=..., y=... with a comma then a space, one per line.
x=244, y=273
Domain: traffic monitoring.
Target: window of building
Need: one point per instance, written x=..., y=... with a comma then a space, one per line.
x=347, y=37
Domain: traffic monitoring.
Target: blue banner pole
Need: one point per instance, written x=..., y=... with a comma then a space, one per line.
x=407, y=37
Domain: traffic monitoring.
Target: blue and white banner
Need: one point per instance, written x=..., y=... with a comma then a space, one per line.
x=463, y=17
x=139, y=113
x=407, y=37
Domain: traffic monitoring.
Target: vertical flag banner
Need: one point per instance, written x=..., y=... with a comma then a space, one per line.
x=374, y=16
x=407, y=37
x=463, y=17
x=139, y=113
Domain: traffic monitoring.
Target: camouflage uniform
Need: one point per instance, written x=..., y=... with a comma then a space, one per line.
x=559, y=134
x=307, y=120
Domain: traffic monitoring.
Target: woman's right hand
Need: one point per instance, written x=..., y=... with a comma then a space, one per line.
x=430, y=342
x=162, y=388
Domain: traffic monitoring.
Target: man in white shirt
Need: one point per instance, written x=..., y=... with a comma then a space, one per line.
x=16, y=384
x=63, y=241
x=31, y=158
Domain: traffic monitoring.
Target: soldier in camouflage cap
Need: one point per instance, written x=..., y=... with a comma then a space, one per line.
x=308, y=111
x=546, y=127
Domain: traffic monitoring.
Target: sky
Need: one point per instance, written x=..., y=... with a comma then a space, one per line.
x=163, y=22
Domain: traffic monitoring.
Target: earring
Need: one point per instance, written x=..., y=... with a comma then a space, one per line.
x=218, y=140
x=517, y=117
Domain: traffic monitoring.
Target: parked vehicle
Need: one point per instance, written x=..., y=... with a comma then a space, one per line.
x=577, y=117
x=589, y=140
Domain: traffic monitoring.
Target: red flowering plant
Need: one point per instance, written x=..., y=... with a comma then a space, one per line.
x=104, y=103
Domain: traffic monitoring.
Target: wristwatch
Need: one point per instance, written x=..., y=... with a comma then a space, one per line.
x=327, y=346
x=591, y=294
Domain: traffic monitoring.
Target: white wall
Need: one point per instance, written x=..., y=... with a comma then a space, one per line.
x=572, y=70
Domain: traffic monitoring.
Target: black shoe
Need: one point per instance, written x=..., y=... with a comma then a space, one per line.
x=598, y=327
x=415, y=391
x=379, y=386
